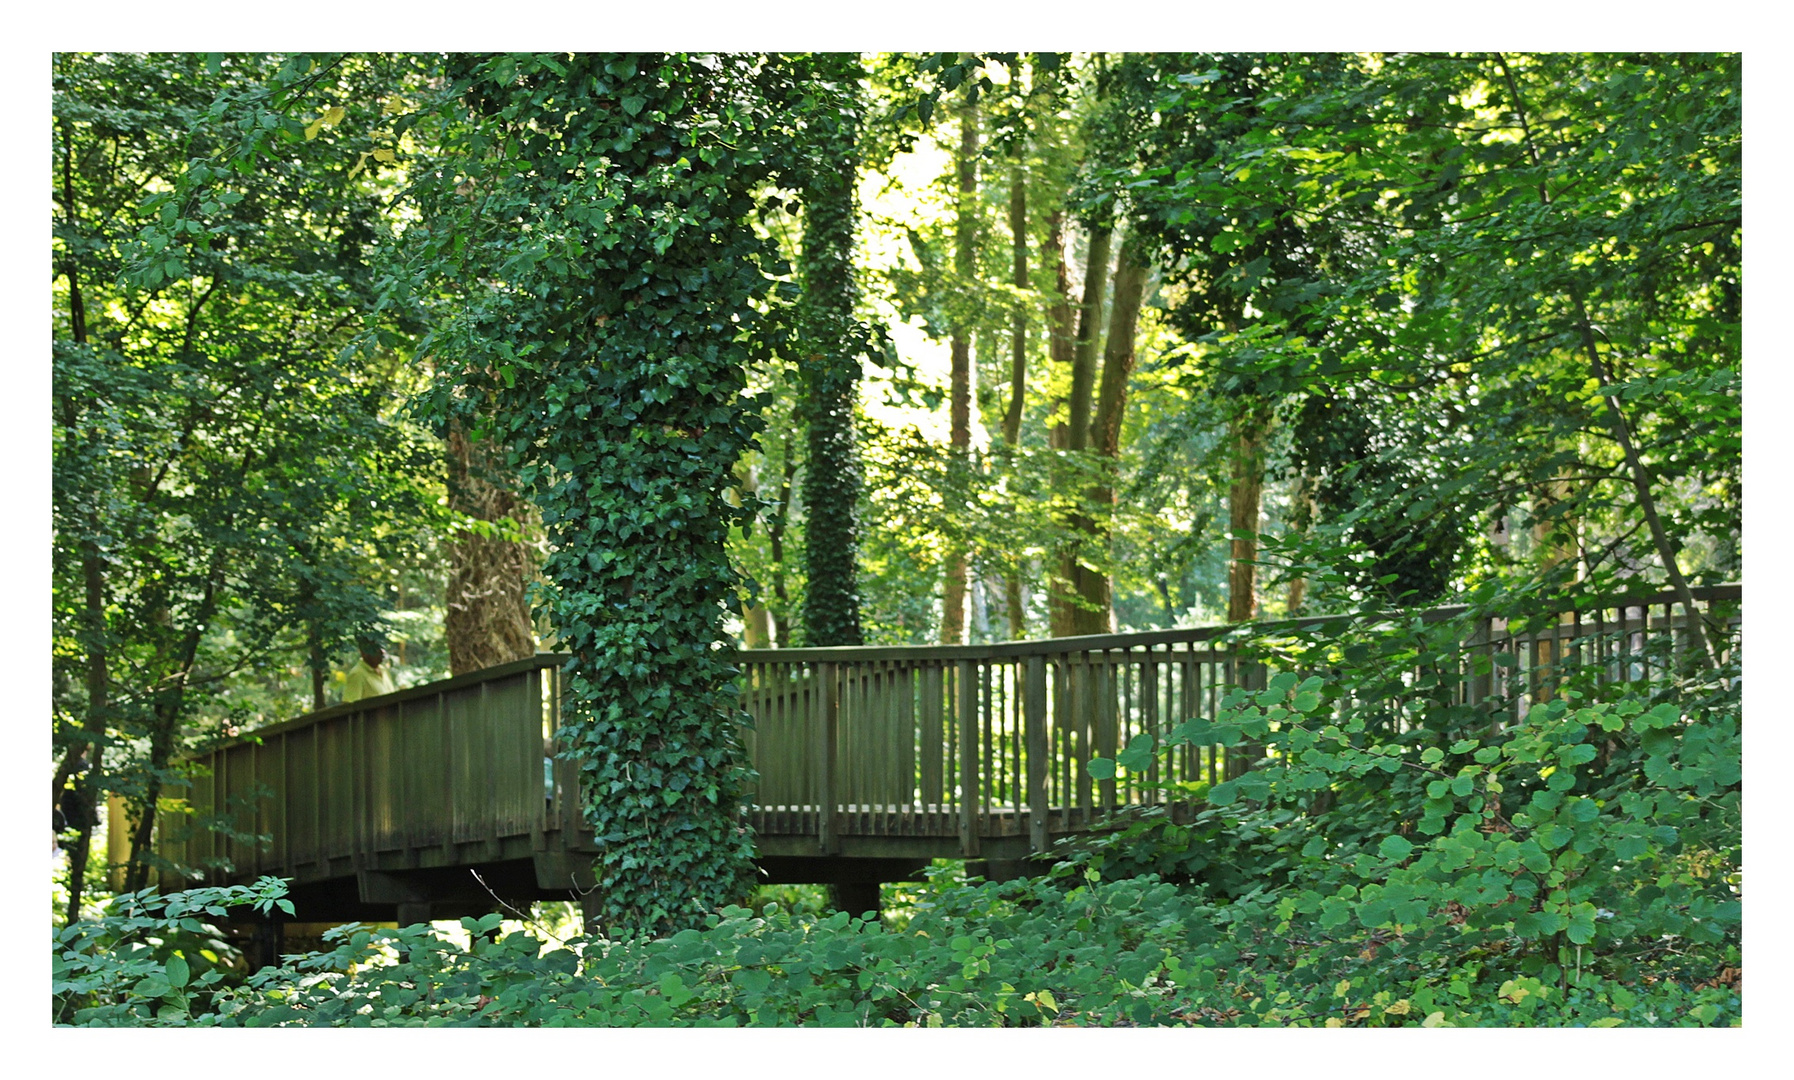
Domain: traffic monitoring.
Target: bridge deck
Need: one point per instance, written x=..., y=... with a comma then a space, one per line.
x=923, y=752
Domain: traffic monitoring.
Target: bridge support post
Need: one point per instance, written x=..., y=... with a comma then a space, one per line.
x=266, y=939
x=1034, y=710
x=856, y=897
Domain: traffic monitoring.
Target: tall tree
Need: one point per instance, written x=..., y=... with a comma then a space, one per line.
x=608, y=343
x=832, y=342
x=1531, y=308
x=1065, y=600
x=961, y=398
x=222, y=472
x=1096, y=609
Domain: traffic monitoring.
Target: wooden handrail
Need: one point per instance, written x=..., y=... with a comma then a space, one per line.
x=1185, y=635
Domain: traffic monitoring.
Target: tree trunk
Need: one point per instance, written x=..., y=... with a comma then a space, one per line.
x=1014, y=605
x=1616, y=419
x=756, y=626
x=1089, y=343
x=1065, y=613
x=830, y=379
x=1244, y=492
x=1062, y=335
x=1018, y=327
x=780, y=621
x=88, y=786
x=488, y=620
x=756, y=621
x=169, y=707
x=953, y=594
x=93, y=575
x=1096, y=615
x=317, y=662
x=1301, y=518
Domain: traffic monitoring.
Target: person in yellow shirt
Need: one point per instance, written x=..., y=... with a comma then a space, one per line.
x=370, y=676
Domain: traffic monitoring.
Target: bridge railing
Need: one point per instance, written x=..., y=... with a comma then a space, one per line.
x=450, y=771
x=960, y=747
x=989, y=741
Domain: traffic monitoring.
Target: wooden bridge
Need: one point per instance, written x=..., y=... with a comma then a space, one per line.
x=871, y=760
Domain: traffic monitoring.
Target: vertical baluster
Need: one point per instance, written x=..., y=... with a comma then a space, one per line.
x=970, y=826
x=1149, y=720
x=827, y=736
x=990, y=761
x=934, y=737
x=950, y=725
x=1061, y=736
x=1016, y=734
x=1103, y=716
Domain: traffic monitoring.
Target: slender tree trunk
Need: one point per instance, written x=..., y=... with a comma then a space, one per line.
x=1301, y=518
x=1065, y=613
x=170, y=703
x=1616, y=419
x=93, y=574
x=88, y=787
x=953, y=598
x=317, y=662
x=1089, y=343
x=1014, y=604
x=1647, y=502
x=1095, y=587
x=756, y=621
x=780, y=620
x=830, y=378
x=487, y=621
x=1018, y=327
x=1062, y=334
x=1244, y=493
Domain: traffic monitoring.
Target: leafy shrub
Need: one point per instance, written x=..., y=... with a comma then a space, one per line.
x=150, y=958
x=1021, y=953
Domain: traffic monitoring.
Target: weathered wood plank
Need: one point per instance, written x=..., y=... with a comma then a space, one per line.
x=1035, y=709
x=970, y=829
x=827, y=739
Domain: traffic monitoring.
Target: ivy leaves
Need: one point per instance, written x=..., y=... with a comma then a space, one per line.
x=618, y=279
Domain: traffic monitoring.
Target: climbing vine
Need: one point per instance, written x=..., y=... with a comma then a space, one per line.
x=588, y=227
x=831, y=343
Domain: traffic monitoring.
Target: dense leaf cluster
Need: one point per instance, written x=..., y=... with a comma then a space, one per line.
x=229, y=489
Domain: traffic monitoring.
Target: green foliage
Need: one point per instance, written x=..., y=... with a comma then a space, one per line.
x=1526, y=271
x=1589, y=836
x=150, y=959
x=1027, y=953
x=230, y=490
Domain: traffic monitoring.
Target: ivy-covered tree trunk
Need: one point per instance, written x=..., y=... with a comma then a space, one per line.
x=965, y=265
x=830, y=367
x=487, y=617
x=612, y=359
